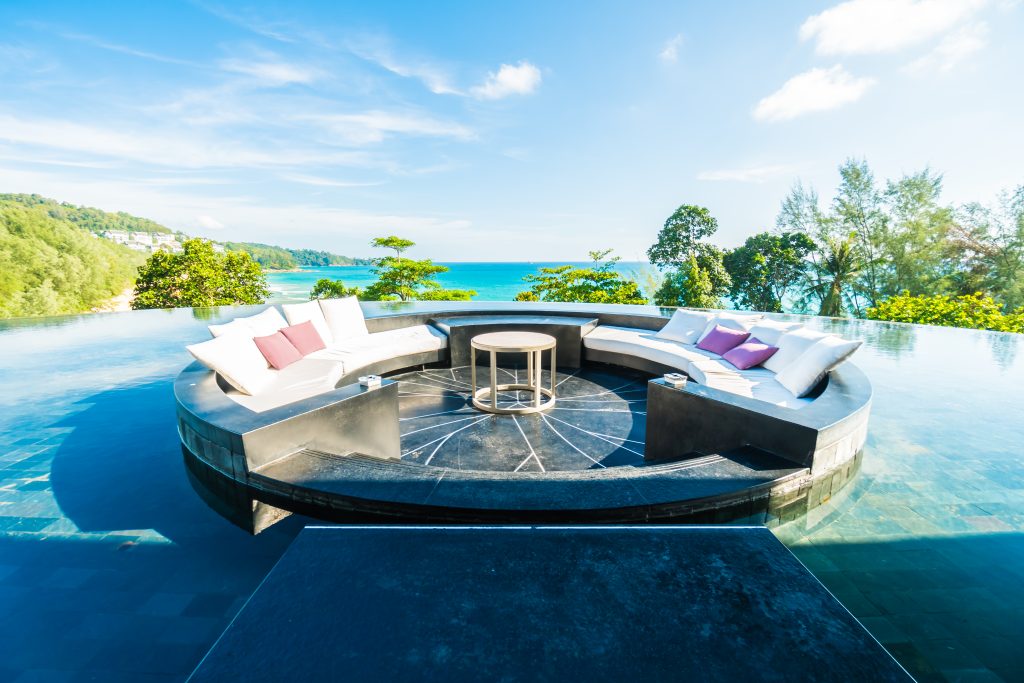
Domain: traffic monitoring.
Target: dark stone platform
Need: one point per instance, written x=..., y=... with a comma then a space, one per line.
x=547, y=603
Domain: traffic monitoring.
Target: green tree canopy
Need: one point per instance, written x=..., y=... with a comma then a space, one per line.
x=834, y=274
x=695, y=285
x=325, y=288
x=975, y=311
x=405, y=279
x=199, y=276
x=681, y=236
x=598, y=284
x=766, y=267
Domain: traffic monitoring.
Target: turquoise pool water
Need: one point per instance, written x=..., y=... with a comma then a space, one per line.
x=112, y=569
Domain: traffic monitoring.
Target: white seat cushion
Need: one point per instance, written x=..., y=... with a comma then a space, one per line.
x=372, y=348
x=309, y=311
x=236, y=358
x=259, y=325
x=732, y=321
x=344, y=318
x=302, y=379
x=644, y=344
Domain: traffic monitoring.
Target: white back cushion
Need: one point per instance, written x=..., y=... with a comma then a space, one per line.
x=236, y=358
x=685, y=326
x=791, y=346
x=311, y=312
x=805, y=372
x=344, y=318
x=769, y=331
x=733, y=321
x=259, y=325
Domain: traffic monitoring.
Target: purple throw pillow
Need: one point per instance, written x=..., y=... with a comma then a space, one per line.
x=722, y=339
x=278, y=351
x=304, y=337
x=750, y=353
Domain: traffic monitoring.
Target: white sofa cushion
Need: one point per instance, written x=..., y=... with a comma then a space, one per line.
x=803, y=374
x=302, y=379
x=236, y=358
x=644, y=344
x=358, y=352
x=769, y=331
x=309, y=311
x=754, y=383
x=791, y=346
x=260, y=325
x=685, y=326
x=732, y=321
x=344, y=318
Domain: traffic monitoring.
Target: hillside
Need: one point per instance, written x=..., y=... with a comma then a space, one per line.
x=93, y=220
x=50, y=265
x=282, y=258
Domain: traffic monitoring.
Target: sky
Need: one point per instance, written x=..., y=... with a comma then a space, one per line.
x=526, y=131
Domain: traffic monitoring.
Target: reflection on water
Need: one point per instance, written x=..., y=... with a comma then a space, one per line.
x=927, y=548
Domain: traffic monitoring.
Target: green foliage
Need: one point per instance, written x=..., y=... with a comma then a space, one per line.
x=199, y=276
x=281, y=258
x=49, y=265
x=405, y=279
x=975, y=311
x=694, y=285
x=681, y=236
x=766, y=267
x=834, y=274
x=599, y=284
x=326, y=288
x=93, y=220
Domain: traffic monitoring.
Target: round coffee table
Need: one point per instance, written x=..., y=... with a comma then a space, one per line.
x=530, y=343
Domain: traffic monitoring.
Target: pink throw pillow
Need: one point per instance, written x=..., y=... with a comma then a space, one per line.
x=750, y=353
x=304, y=337
x=722, y=339
x=278, y=351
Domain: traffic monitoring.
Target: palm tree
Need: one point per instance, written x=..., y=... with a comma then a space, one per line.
x=834, y=274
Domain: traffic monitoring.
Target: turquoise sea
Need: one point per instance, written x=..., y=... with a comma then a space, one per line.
x=492, y=281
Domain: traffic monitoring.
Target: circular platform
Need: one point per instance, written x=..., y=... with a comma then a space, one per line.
x=598, y=422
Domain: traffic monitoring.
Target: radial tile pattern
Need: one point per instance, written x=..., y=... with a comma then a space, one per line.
x=598, y=421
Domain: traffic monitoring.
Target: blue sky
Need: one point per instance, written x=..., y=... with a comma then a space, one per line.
x=498, y=131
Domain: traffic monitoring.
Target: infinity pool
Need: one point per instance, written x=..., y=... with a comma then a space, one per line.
x=112, y=569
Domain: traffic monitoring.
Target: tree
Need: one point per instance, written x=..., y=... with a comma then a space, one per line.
x=766, y=267
x=697, y=273
x=834, y=275
x=404, y=279
x=914, y=244
x=199, y=276
x=988, y=245
x=326, y=288
x=975, y=311
x=859, y=211
x=599, y=284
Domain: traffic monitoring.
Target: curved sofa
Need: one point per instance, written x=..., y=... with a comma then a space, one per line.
x=722, y=449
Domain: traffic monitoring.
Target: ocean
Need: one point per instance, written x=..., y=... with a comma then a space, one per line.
x=492, y=281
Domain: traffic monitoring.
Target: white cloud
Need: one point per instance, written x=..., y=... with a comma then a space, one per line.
x=875, y=26
x=167, y=148
x=812, y=91
x=375, y=50
x=375, y=126
x=670, y=52
x=271, y=72
x=209, y=222
x=522, y=79
x=952, y=50
x=757, y=174
x=318, y=181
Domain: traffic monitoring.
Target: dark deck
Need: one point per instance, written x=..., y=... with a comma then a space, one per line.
x=528, y=604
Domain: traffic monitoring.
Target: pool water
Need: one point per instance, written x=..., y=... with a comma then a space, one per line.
x=111, y=568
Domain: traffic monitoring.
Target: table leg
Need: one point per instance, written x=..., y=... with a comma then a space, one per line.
x=536, y=381
x=529, y=370
x=494, y=381
x=553, y=366
x=472, y=368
